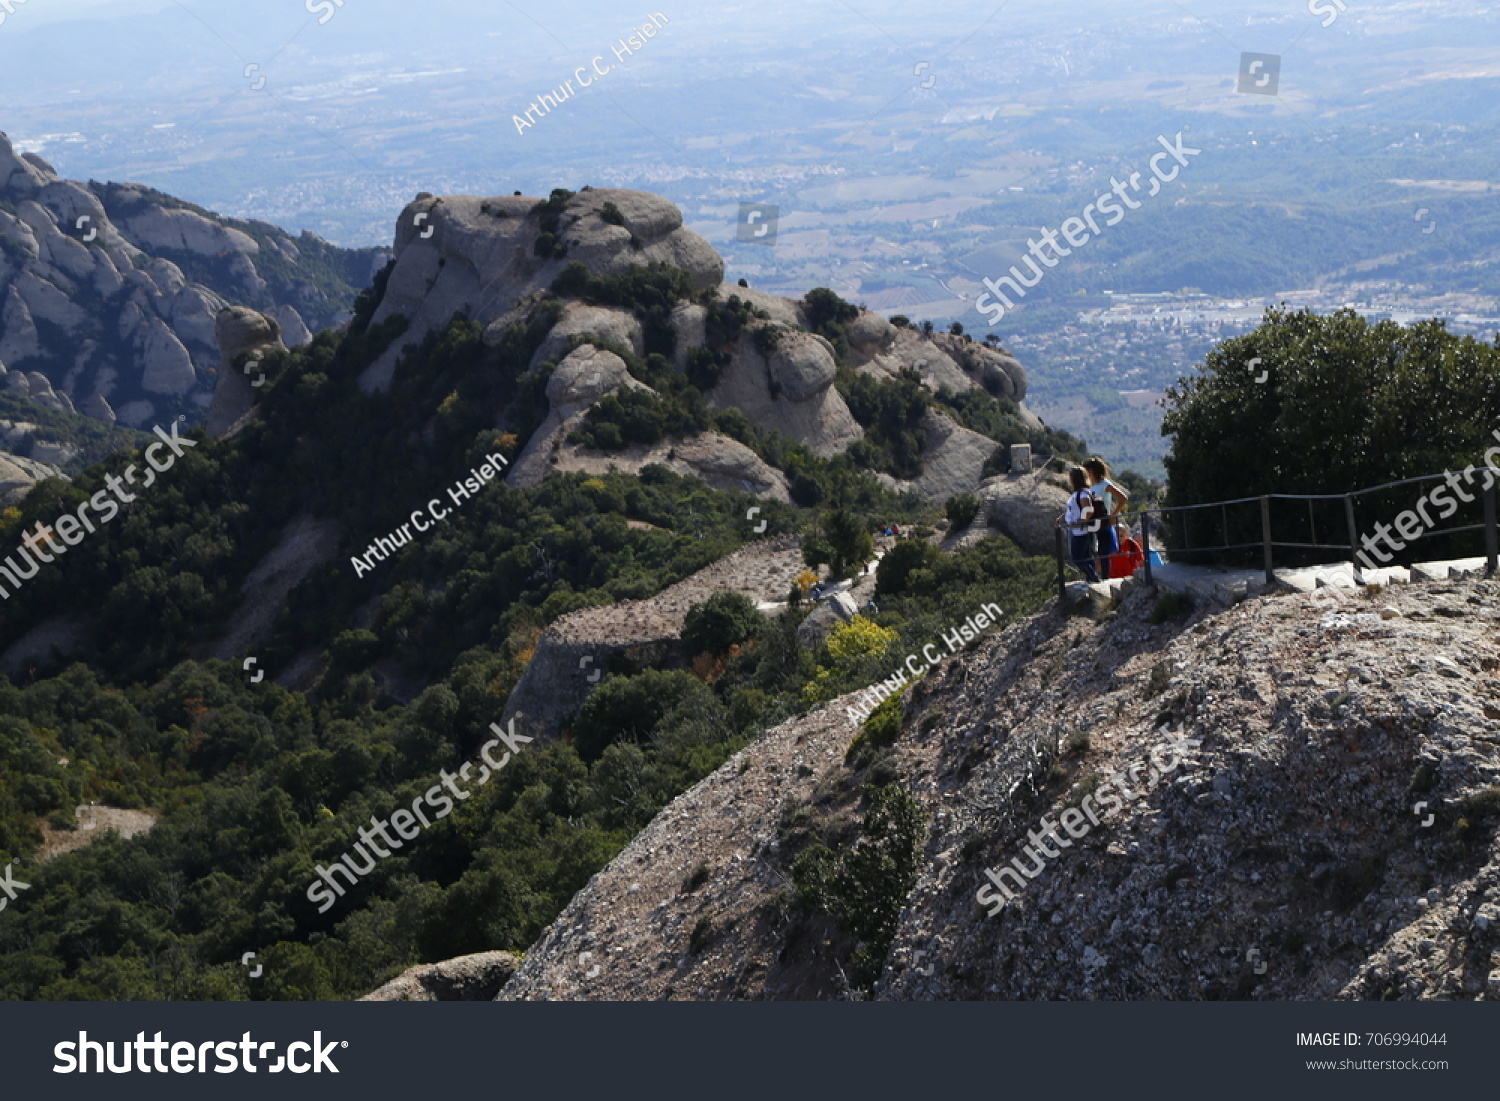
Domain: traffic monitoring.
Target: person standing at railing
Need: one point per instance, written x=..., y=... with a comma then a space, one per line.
x=1082, y=520
x=1113, y=500
x=1130, y=558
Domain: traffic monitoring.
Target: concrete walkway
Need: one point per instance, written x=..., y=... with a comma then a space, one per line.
x=1214, y=584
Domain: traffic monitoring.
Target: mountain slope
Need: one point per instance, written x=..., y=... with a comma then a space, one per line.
x=1280, y=847
x=303, y=621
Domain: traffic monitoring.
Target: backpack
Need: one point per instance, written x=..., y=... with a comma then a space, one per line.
x=1090, y=511
x=1131, y=558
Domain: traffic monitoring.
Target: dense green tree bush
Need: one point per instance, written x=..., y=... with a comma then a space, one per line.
x=864, y=884
x=830, y=316
x=1345, y=404
x=843, y=545
x=724, y=620
x=961, y=509
x=628, y=709
x=890, y=411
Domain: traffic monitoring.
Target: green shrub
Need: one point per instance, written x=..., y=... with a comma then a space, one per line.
x=830, y=316
x=721, y=622
x=891, y=413
x=879, y=731
x=629, y=709
x=1170, y=605
x=632, y=416
x=961, y=509
x=893, y=575
x=865, y=884
x=843, y=545
x=549, y=212
x=767, y=339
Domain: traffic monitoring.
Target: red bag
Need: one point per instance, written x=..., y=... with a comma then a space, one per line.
x=1129, y=558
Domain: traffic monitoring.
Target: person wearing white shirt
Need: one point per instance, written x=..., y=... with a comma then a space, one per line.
x=1112, y=500
x=1080, y=522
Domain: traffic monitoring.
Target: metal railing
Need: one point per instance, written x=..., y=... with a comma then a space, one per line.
x=1143, y=520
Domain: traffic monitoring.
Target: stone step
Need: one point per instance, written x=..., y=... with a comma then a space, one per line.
x=1211, y=584
x=1466, y=567
x=1340, y=576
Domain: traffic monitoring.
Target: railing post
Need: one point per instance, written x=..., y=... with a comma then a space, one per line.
x=1491, y=542
x=1146, y=544
x=1265, y=538
x=1062, y=584
x=1353, y=536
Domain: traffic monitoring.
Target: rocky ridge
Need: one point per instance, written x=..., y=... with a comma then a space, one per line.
x=108, y=292
x=494, y=259
x=475, y=978
x=1331, y=834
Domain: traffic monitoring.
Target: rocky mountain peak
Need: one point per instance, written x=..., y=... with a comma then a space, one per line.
x=492, y=259
x=110, y=291
x=484, y=257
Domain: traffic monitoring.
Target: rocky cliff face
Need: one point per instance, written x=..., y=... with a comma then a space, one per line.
x=1023, y=506
x=1322, y=823
x=18, y=475
x=239, y=333
x=479, y=256
x=108, y=292
x=492, y=259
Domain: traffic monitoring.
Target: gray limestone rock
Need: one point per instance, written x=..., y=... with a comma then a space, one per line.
x=241, y=331
x=476, y=978
x=166, y=366
x=952, y=460
x=822, y=420
x=870, y=334
x=801, y=365
x=18, y=475
x=1024, y=506
x=477, y=256
x=294, y=330
x=616, y=326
